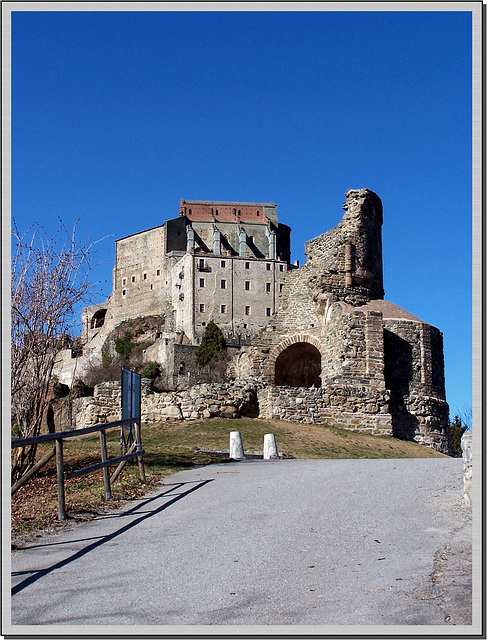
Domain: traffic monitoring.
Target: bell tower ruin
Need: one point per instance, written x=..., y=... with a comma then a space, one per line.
x=346, y=262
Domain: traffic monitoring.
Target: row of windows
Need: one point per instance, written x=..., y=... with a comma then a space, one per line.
x=247, y=285
x=223, y=285
x=201, y=266
x=223, y=264
x=247, y=309
x=134, y=278
x=234, y=212
x=215, y=211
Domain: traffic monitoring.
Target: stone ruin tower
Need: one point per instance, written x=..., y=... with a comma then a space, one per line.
x=337, y=353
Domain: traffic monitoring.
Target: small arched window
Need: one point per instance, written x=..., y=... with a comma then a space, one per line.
x=98, y=319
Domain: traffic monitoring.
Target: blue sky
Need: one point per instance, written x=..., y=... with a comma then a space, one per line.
x=116, y=116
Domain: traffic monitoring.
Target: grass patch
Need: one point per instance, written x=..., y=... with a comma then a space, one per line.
x=170, y=447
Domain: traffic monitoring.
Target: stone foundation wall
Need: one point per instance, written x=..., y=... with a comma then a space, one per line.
x=423, y=419
x=226, y=400
x=363, y=409
x=355, y=409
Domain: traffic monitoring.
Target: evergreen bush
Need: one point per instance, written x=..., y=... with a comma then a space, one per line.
x=212, y=343
x=124, y=346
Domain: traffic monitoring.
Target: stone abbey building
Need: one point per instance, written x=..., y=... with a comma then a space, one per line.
x=316, y=343
x=224, y=261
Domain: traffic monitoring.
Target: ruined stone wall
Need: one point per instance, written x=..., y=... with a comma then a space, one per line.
x=335, y=303
x=346, y=262
x=353, y=408
x=414, y=375
x=203, y=401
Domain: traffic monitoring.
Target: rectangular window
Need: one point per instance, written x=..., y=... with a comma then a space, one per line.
x=223, y=264
x=247, y=311
x=223, y=308
x=280, y=287
x=124, y=281
x=268, y=266
x=247, y=285
x=145, y=276
x=268, y=312
x=202, y=264
x=124, y=292
x=247, y=265
x=223, y=284
x=202, y=308
x=268, y=287
x=158, y=272
x=133, y=278
x=281, y=267
x=202, y=283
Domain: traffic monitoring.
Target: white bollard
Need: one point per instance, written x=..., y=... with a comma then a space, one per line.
x=236, y=446
x=270, y=447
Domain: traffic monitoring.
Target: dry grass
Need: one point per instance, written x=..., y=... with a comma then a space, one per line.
x=170, y=447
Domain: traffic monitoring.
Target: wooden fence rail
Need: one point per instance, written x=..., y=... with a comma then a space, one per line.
x=135, y=451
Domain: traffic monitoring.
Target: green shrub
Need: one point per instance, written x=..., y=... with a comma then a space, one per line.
x=124, y=346
x=151, y=371
x=106, y=359
x=211, y=344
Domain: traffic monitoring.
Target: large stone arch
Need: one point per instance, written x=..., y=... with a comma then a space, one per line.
x=296, y=362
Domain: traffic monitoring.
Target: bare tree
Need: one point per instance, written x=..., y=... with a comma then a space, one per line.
x=50, y=277
x=466, y=415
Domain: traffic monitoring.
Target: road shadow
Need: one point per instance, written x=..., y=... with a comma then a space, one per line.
x=100, y=540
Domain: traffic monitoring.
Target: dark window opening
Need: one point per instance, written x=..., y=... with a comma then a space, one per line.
x=98, y=319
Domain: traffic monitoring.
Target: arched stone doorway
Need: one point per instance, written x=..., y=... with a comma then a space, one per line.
x=298, y=366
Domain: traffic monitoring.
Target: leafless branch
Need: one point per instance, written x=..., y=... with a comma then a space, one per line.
x=50, y=279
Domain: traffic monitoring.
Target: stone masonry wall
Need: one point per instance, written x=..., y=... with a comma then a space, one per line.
x=467, y=466
x=346, y=262
x=347, y=408
x=351, y=408
x=226, y=400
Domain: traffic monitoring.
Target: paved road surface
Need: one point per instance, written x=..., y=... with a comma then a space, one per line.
x=284, y=542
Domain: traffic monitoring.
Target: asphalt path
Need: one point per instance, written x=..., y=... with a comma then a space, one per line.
x=290, y=543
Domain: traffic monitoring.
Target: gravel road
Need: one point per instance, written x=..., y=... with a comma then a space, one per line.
x=282, y=542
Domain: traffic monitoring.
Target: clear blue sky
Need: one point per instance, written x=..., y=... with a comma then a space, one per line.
x=118, y=115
